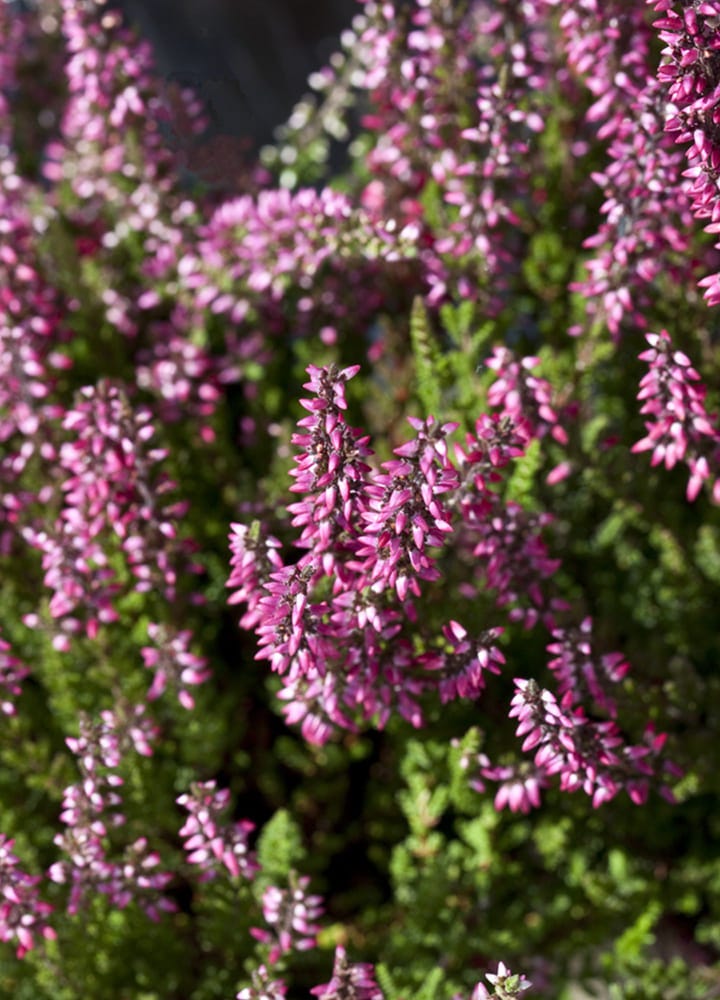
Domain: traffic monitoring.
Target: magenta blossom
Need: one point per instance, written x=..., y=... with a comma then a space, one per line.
x=350, y=981
x=680, y=428
x=23, y=915
x=211, y=841
x=291, y=916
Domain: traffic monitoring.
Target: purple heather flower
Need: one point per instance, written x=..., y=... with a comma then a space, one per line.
x=350, y=981
x=212, y=842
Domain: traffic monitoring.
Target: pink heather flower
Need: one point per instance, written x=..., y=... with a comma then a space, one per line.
x=134, y=879
x=346, y=648
x=680, y=429
x=173, y=664
x=474, y=144
x=315, y=702
x=583, y=674
x=22, y=913
x=560, y=472
x=520, y=785
x=94, y=804
x=512, y=558
x=212, y=842
x=608, y=46
x=114, y=493
x=253, y=559
x=588, y=755
x=290, y=915
x=31, y=356
x=462, y=666
x=645, y=229
x=113, y=91
x=182, y=377
x=350, y=981
x=257, y=255
x=404, y=518
x=113, y=129
x=263, y=987
x=523, y=397
x=692, y=38
x=12, y=674
x=330, y=471
x=495, y=442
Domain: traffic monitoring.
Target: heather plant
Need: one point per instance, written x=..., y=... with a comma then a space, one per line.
x=358, y=522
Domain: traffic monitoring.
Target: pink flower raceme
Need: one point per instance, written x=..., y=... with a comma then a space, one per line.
x=582, y=673
x=464, y=663
x=495, y=442
x=115, y=179
x=587, y=755
x=644, y=234
x=680, y=429
x=29, y=336
x=12, y=673
x=350, y=981
x=92, y=808
x=291, y=918
x=254, y=557
x=310, y=257
x=330, y=472
x=523, y=397
x=469, y=141
x=173, y=664
x=690, y=30
x=315, y=702
x=32, y=341
x=263, y=987
x=608, y=45
x=113, y=496
x=114, y=93
x=137, y=878
x=404, y=517
x=514, y=560
x=334, y=624
x=519, y=785
x=23, y=915
x=212, y=842
x=183, y=378
x=111, y=162
x=527, y=399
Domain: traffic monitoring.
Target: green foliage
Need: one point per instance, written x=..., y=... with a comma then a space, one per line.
x=430, y=362
x=420, y=873
x=280, y=847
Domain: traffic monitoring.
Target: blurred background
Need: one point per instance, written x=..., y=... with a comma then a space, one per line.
x=248, y=60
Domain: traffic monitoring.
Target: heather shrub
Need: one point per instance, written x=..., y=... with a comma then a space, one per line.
x=358, y=522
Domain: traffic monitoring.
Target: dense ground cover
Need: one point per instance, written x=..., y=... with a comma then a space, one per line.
x=358, y=523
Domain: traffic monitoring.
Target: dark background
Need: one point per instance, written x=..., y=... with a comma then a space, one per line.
x=248, y=60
